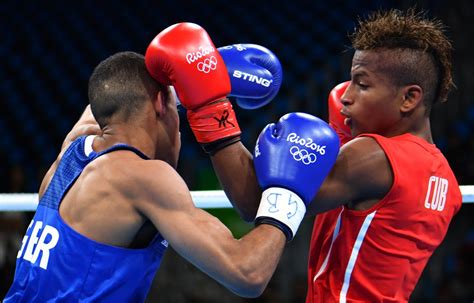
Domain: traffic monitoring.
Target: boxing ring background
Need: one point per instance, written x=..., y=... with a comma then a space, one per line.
x=202, y=199
x=289, y=280
x=49, y=49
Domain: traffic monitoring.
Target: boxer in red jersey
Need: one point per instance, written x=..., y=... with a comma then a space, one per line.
x=387, y=203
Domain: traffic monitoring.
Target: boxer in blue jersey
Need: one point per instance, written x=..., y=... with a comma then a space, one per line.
x=115, y=179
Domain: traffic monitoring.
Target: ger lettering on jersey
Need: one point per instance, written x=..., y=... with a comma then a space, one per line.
x=41, y=240
x=57, y=264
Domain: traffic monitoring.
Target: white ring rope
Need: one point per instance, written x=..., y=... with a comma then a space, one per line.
x=202, y=199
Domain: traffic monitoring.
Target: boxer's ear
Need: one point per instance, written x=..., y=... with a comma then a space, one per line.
x=159, y=103
x=412, y=96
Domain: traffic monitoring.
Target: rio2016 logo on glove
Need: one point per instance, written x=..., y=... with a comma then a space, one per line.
x=301, y=154
x=202, y=52
x=208, y=65
x=308, y=142
x=204, y=66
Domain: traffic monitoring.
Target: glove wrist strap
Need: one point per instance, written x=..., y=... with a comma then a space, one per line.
x=214, y=147
x=283, y=206
x=213, y=122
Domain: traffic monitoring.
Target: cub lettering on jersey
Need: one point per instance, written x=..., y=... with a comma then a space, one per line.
x=436, y=193
x=46, y=241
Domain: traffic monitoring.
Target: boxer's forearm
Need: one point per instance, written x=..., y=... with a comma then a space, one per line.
x=86, y=125
x=234, y=168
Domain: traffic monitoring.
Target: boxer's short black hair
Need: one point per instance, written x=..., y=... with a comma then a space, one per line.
x=119, y=86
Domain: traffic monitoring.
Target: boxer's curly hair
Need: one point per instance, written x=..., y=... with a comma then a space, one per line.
x=119, y=87
x=422, y=52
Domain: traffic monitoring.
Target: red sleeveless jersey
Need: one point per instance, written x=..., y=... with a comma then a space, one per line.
x=378, y=255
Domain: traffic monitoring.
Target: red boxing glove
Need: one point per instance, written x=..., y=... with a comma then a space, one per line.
x=183, y=55
x=336, y=119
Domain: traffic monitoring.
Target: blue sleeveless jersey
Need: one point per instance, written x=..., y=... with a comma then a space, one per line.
x=57, y=264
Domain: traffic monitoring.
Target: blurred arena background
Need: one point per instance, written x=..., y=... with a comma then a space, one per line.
x=49, y=48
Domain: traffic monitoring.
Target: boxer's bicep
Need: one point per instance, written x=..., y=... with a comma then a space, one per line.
x=361, y=173
x=336, y=188
x=242, y=266
x=168, y=204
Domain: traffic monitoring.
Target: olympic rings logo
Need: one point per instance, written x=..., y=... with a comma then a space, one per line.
x=302, y=155
x=208, y=65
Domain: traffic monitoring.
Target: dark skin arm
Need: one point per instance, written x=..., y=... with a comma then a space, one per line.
x=234, y=168
x=361, y=176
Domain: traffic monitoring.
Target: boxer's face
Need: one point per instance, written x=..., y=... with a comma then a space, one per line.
x=372, y=101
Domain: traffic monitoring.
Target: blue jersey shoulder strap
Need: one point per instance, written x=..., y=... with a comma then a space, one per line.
x=70, y=167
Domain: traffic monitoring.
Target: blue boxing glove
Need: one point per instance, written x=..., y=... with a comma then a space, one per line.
x=292, y=158
x=255, y=74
